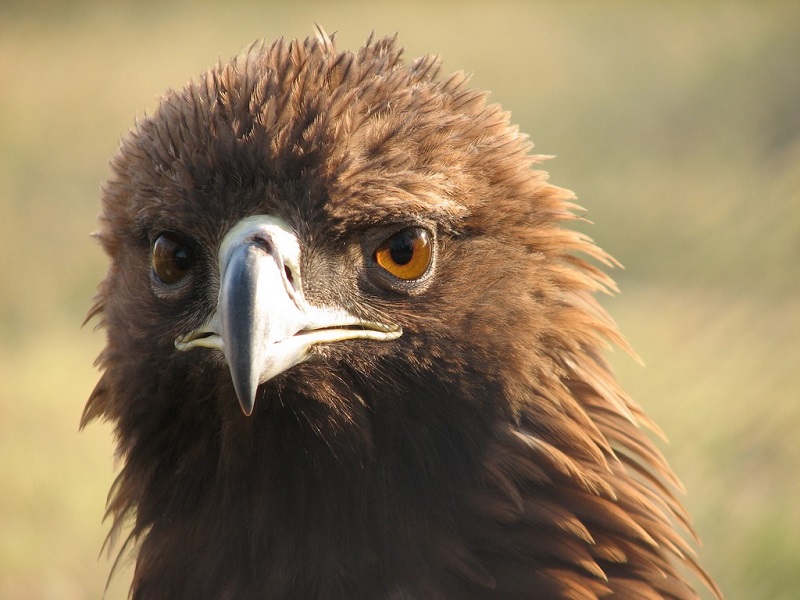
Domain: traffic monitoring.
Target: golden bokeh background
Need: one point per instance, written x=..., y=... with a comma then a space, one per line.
x=677, y=123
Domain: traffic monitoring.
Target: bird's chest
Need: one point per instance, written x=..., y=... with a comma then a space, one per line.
x=268, y=551
x=288, y=529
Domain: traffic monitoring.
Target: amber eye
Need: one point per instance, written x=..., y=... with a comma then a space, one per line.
x=407, y=254
x=171, y=258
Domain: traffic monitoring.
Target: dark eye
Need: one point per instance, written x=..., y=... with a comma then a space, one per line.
x=407, y=254
x=171, y=258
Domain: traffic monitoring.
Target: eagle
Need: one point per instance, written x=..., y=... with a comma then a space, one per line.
x=353, y=350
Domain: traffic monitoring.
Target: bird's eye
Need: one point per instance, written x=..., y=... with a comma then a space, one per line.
x=171, y=258
x=407, y=254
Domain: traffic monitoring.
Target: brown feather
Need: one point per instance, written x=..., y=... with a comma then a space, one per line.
x=488, y=452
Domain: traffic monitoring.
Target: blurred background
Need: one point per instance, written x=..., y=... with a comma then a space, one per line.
x=677, y=123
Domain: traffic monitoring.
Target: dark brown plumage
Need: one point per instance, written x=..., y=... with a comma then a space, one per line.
x=411, y=326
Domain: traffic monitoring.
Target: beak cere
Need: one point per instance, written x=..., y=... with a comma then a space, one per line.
x=263, y=325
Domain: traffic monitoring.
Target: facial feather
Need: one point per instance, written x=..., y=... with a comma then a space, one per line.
x=486, y=452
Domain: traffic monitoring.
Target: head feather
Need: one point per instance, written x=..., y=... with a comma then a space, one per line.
x=489, y=451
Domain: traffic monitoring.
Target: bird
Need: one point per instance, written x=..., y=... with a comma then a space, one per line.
x=354, y=349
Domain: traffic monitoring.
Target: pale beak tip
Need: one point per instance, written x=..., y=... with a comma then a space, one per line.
x=247, y=398
x=247, y=407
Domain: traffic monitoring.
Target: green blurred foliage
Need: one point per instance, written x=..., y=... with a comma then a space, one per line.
x=677, y=123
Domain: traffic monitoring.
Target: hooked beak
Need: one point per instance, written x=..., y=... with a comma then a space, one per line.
x=263, y=325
